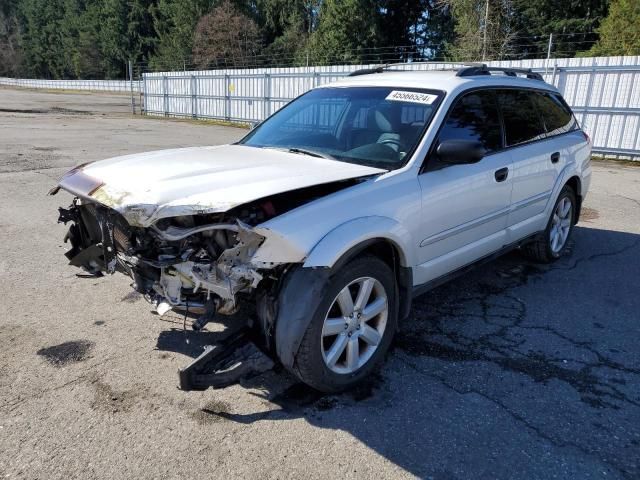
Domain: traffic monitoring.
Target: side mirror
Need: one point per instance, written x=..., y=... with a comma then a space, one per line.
x=458, y=152
x=253, y=124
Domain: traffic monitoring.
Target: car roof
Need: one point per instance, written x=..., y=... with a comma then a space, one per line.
x=444, y=80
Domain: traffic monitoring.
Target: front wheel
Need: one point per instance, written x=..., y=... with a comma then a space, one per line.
x=555, y=238
x=352, y=328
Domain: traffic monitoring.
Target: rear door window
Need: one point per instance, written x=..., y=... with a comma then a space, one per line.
x=522, y=120
x=556, y=114
x=474, y=117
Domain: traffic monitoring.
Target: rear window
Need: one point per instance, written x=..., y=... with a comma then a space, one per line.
x=556, y=114
x=522, y=120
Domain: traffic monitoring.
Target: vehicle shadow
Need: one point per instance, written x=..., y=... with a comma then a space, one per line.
x=515, y=370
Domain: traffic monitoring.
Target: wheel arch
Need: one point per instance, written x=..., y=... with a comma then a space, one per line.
x=305, y=286
x=576, y=184
x=358, y=234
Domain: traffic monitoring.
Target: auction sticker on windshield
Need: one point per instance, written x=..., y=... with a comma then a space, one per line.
x=412, y=97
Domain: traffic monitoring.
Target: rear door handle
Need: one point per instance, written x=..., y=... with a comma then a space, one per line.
x=555, y=157
x=502, y=174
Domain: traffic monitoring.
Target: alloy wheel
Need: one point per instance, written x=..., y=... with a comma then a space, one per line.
x=561, y=225
x=354, y=325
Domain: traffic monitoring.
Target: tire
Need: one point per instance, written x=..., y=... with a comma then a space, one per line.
x=544, y=249
x=317, y=363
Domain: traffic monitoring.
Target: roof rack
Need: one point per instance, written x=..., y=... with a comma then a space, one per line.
x=508, y=71
x=468, y=69
x=367, y=71
x=388, y=66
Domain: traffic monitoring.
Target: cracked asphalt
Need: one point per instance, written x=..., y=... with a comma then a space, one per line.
x=515, y=371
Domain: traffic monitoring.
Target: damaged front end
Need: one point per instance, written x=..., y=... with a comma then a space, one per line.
x=198, y=263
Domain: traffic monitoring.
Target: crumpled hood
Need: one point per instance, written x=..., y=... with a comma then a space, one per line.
x=167, y=183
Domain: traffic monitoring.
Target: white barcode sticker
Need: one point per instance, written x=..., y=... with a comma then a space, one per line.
x=412, y=97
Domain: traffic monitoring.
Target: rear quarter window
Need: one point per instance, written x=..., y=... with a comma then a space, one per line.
x=556, y=115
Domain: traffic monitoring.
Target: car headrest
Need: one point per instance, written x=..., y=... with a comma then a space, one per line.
x=379, y=121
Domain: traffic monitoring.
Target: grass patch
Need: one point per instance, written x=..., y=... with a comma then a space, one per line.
x=197, y=121
x=617, y=161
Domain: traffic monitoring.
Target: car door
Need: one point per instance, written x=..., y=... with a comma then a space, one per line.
x=536, y=160
x=464, y=207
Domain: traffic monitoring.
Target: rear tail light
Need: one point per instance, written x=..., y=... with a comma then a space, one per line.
x=586, y=137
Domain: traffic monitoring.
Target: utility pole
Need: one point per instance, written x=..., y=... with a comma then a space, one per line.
x=546, y=65
x=486, y=24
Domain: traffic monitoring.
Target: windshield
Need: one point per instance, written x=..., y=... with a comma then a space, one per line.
x=375, y=126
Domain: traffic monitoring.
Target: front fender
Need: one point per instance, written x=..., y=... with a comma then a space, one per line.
x=348, y=235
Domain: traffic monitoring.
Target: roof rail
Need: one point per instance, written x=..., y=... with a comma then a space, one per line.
x=453, y=65
x=469, y=69
x=511, y=72
x=387, y=67
x=367, y=71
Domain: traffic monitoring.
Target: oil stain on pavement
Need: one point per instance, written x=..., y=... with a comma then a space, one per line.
x=67, y=352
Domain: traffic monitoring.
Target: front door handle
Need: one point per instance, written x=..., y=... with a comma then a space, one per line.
x=502, y=174
x=555, y=157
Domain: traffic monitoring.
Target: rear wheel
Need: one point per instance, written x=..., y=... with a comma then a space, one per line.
x=554, y=240
x=352, y=328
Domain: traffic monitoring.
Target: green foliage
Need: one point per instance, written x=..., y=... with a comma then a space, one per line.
x=96, y=38
x=573, y=23
x=620, y=30
x=84, y=38
x=10, y=51
x=175, y=22
x=347, y=32
x=484, y=29
x=286, y=25
x=226, y=36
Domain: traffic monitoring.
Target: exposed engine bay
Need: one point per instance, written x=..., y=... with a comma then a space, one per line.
x=200, y=264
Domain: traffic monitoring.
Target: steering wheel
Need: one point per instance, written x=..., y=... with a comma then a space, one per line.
x=392, y=143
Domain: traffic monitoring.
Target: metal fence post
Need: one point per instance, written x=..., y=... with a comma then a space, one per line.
x=266, y=107
x=165, y=93
x=227, y=97
x=627, y=105
x=546, y=63
x=143, y=94
x=587, y=97
x=133, y=100
x=194, y=97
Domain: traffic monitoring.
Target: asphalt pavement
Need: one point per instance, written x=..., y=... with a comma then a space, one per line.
x=515, y=371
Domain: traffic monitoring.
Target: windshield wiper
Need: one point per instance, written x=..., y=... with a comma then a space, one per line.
x=311, y=153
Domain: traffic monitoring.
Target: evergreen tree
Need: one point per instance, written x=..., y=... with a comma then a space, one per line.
x=79, y=30
x=175, y=22
x=141, y=38
x=10, y=52
x=484, y=29
x=347, y=32
x=420, y=27
x=286, y=26
x=620, y=30
x=573, y=23
x=42, y=44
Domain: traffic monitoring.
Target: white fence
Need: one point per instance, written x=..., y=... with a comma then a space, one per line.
x=93, y=85
x=603, y=92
